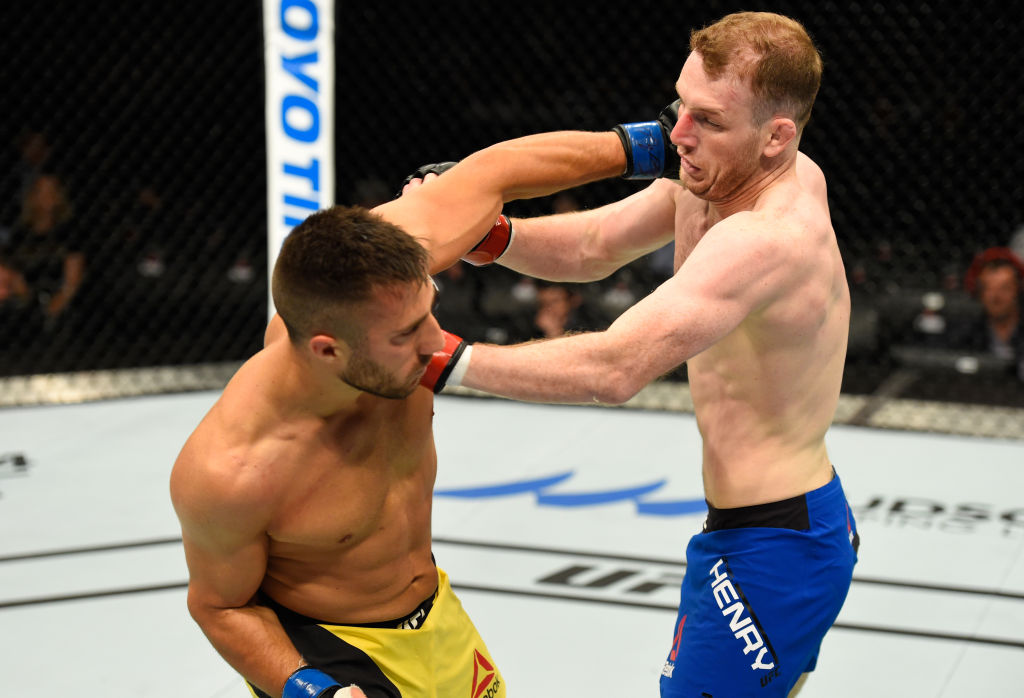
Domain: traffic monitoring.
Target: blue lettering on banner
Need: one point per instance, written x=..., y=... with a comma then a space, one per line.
x=311, y=204
x=311, y=173
x=299, y=33
x=538, y=487
x=299, y=109
x=294, y=67
x=296, y=102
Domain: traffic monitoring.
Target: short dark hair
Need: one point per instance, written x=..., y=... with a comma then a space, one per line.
x=998, y=263
x=337, y=258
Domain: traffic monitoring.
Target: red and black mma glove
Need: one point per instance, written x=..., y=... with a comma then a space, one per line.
x=650, y=152
x=308, y=682
x=497, y=239
x=493, y=244
x=448, y=366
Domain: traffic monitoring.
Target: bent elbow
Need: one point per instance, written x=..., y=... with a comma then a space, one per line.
x=592, y=269
x=617, y=388
x=196, y=609
x=202, y=611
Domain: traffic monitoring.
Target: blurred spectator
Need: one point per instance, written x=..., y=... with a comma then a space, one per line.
x=661, y=264
x=565, y=202
x=508, y=301
x=35, y=151
x=14, y=292
x=43, y=247
x=16, y=312
x=32, y=155
x=524, y=292
x=458, y=307
x=619, y=294
x=372, y=191
x=557, y=311
x=996, y=278
x=146, y=242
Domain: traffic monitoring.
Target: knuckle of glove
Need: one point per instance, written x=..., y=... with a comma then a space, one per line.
x=669, y=116
x=433, y=168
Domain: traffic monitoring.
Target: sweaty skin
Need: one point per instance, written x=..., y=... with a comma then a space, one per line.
x=301, y=487
x=340, y=501
x=765, y=392
x=758, y=306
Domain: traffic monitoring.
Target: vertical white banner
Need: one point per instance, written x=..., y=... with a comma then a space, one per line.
x=299, y=62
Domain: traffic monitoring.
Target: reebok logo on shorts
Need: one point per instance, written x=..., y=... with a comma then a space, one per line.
x=741, y=621
x=485, y=684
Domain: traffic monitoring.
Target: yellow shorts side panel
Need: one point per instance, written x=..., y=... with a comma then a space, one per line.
x=444, y=658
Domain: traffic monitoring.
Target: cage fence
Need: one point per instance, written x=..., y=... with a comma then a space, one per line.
x=133, y=195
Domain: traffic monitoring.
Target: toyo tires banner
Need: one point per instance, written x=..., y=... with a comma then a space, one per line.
x=299, y=60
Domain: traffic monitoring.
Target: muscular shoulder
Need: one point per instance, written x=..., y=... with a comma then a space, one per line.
x=757, y=229
x=761, y=248
x=793, y=213
x=221, y=477
x=810, y=175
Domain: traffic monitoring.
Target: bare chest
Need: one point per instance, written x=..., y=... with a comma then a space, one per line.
x=690, y=225
x=340, y=490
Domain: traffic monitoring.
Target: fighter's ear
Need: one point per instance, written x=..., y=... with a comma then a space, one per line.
x=781, y=134
x=328, y=348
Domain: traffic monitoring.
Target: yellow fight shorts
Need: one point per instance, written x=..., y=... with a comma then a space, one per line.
x=434, y=652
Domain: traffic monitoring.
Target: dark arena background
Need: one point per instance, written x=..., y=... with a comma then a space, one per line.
x=146, y=121
x=140, y=192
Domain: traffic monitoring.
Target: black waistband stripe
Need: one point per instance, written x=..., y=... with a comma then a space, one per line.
x=788, y=513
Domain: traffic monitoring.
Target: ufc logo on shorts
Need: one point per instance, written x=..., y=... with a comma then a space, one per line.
x=740, y=622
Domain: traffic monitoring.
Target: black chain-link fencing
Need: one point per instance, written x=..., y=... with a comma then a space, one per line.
x=133, y=185
x=132, y=189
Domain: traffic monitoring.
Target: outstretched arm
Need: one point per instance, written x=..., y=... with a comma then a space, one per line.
x=654, y=336
x=716, y=289
x=589, y=245
x=450, y=214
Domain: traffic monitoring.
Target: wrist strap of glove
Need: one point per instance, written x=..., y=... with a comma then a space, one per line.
x=458, y=367
x=447, y=366
x=644, y=144
x=493, y=245
x=308, y=682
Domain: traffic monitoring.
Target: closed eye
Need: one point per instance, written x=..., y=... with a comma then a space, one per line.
x=405, y=334
x=708, y=122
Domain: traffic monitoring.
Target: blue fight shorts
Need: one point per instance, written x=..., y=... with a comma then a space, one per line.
x=763, y=585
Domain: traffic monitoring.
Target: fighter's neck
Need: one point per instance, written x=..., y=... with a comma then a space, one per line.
x=300, y=388
x=754, y=190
